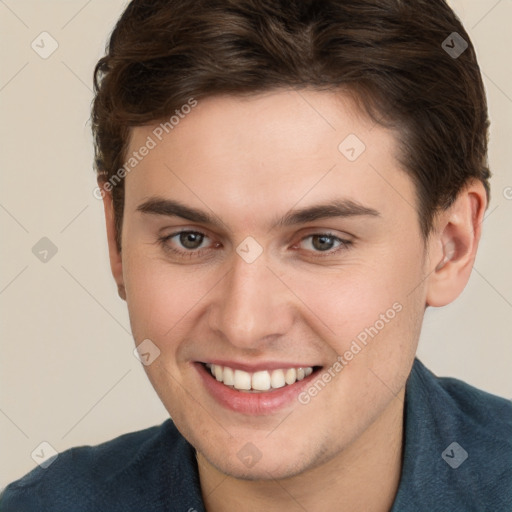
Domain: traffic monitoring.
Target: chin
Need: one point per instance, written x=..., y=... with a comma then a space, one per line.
x=263, y=470
x=276, y=461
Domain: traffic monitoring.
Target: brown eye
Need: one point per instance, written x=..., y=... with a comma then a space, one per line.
x=323, y=242
x=185, y=243
x=191, y=240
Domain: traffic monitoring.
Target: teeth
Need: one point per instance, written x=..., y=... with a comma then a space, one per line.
x=277, y=379
x=290, y=376
x=242, y=379
x=258, y=381
x=261, y=381
x=228, y=376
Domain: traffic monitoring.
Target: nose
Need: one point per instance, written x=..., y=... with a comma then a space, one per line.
x=251, y=307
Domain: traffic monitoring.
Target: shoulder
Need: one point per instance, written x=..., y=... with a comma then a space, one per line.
x=458, y=446
x=125, y=470
x=456, y=403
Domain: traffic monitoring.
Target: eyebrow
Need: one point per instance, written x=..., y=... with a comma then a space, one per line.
x=332, y=209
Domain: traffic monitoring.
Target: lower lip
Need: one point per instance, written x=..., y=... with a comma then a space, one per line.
x=263, y=402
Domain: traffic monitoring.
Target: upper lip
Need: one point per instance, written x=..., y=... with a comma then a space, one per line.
x=259, y=366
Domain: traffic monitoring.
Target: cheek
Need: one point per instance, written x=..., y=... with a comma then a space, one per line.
x=348, y=303
x=158, y=296
x=378, y=299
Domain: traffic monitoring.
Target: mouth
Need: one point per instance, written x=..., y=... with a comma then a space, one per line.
x=259, y=381
x=264, y=391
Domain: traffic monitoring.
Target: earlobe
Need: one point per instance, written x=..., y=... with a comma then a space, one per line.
x=115, y=256
x=453, y=248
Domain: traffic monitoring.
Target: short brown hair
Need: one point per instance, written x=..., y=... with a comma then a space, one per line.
x=389, y=54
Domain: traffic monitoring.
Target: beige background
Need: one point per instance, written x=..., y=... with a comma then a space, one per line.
x=68, y=375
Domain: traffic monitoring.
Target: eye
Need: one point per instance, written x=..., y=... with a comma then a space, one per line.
x=185, y=243
x=190, y=239
x=324, y=243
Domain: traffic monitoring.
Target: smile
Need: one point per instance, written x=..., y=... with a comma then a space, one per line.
x=263, y=380
x=254, y=390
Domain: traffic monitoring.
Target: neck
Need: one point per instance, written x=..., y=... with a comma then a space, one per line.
x=364, y=476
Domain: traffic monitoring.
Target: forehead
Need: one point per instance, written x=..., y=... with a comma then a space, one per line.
x=263, y=154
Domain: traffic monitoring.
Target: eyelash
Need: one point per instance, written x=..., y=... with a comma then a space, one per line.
x=163, y=242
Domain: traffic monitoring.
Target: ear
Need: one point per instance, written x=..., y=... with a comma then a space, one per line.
x=116, y=261
x=453, y=245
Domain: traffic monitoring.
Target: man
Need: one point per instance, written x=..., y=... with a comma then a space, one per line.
x=287, y=187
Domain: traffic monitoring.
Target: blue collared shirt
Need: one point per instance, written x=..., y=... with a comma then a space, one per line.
x=457, y=458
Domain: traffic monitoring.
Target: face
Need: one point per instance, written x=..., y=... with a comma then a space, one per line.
x=263, y=245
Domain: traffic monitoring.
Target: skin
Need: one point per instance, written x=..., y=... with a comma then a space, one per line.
x=248, y=162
